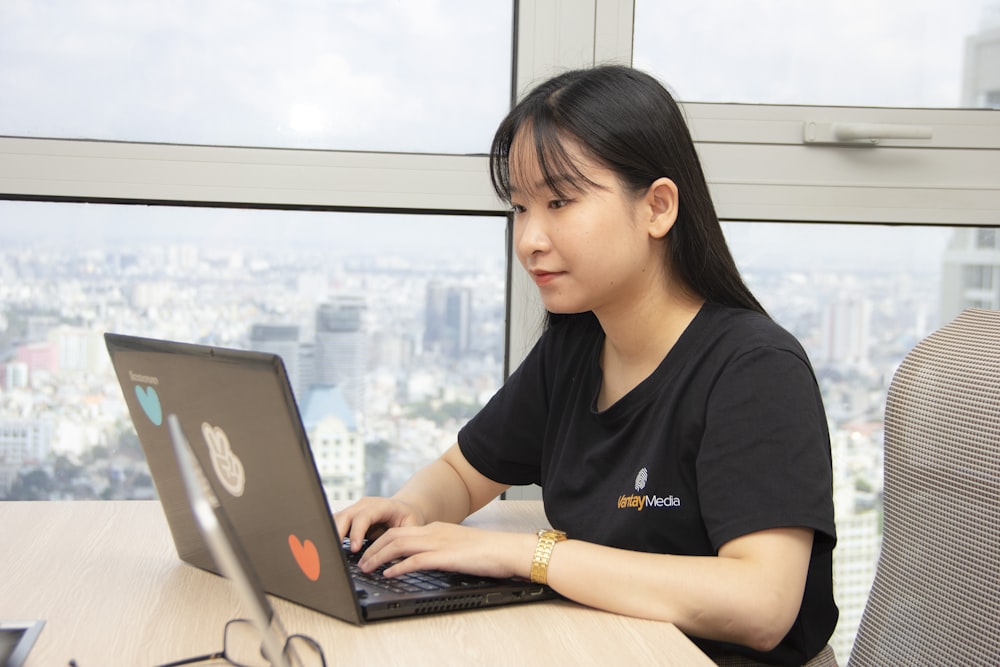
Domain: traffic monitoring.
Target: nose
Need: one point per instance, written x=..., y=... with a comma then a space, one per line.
x=530, y=236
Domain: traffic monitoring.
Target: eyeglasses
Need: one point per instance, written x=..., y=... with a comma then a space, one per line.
x=243, y=646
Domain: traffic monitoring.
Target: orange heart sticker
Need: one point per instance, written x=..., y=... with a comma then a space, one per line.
x=306, y=556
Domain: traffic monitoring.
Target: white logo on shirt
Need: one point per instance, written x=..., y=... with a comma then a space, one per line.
x=640, y=480
x=637, y=502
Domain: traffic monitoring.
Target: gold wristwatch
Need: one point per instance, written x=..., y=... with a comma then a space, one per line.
x=547, y=539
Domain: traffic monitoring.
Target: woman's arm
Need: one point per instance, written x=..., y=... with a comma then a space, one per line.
x=750, y=594
x=448, y=489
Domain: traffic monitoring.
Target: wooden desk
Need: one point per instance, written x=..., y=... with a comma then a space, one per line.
x=106, y=579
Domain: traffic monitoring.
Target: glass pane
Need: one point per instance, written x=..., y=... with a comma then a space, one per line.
x=888, y=53
x=859, y=297
x=416, y=76
x=417, y=301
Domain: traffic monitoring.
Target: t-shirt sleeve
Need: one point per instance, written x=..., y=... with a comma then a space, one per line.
x=764, y=461
x=504, y=440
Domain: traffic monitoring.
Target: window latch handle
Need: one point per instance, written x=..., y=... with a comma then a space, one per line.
x=867, y=134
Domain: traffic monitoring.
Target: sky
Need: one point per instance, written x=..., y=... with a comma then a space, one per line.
x=829, y=52
x=433, y=76
x=409, y=75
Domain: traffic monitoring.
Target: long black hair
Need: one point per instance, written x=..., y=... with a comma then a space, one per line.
x=630, y=123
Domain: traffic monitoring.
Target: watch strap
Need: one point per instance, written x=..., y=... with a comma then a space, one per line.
x=547, y=539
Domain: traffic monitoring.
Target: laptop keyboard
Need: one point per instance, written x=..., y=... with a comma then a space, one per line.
x=411, y=582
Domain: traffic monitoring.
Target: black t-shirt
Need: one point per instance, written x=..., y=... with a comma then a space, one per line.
x=726, y=437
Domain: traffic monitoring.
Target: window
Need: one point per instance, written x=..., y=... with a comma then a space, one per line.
x=891, y=53
x=858, y=298
x=978, y=277
x=250, y=279
x=342, y=75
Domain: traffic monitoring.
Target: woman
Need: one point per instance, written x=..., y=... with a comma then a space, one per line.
x=677, y=432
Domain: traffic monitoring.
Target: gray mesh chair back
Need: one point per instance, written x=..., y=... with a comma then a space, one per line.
x=936, y=595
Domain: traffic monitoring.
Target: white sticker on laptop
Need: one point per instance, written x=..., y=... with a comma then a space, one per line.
x=228, y=467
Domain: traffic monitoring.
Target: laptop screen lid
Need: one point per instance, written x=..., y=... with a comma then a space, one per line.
x=245, y=430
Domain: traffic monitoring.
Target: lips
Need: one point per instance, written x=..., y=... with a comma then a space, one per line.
x=544, y=277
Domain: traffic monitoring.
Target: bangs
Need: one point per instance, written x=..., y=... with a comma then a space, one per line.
x=531, y=153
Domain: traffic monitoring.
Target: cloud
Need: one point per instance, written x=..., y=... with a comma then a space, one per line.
x=427, y=76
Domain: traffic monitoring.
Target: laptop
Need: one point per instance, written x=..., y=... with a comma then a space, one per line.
x=241, y=419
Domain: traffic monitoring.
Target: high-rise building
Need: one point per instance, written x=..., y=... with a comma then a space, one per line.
x=981, y=71
x=340, y=350
x=23, y=442
x=847, y=332
x=458, y=318
x=970, y=271
x=282, y=340
x=38, y=358
x=78, y=350
x=447, y=319
x=337, y=446
x=13, y=375
x=434, y=305
x=854, y=560
x=857, y=461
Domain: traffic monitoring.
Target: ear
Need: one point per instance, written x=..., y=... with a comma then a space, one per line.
x=662, y=202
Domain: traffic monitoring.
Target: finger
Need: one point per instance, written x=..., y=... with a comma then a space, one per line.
x=370, y=517
x=342, y=520
x=392, y=545
x=418, y=561
x=430, y=558
x=372, y=557
x=353, y=523
x=359, y=529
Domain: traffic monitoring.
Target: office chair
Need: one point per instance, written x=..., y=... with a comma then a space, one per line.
x=936, y=595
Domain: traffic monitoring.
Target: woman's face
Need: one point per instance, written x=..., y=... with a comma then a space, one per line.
x=589, y=249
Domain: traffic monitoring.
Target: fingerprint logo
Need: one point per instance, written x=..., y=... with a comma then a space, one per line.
x=228, y=467
x=640, y=480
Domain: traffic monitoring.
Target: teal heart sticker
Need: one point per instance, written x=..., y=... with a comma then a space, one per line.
x=150, y=402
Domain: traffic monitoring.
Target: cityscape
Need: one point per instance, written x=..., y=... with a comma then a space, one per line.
x=389, y=354
x=64, y=427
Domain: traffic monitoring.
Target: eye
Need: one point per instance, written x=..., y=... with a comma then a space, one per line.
x=516, y=209
x=558, y=203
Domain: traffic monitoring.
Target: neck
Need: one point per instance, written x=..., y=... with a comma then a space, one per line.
x=638, y=338
x=644, y=332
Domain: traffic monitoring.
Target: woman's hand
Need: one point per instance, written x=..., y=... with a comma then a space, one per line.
x=456, y=548
x=447, y=489
x=370, y=517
